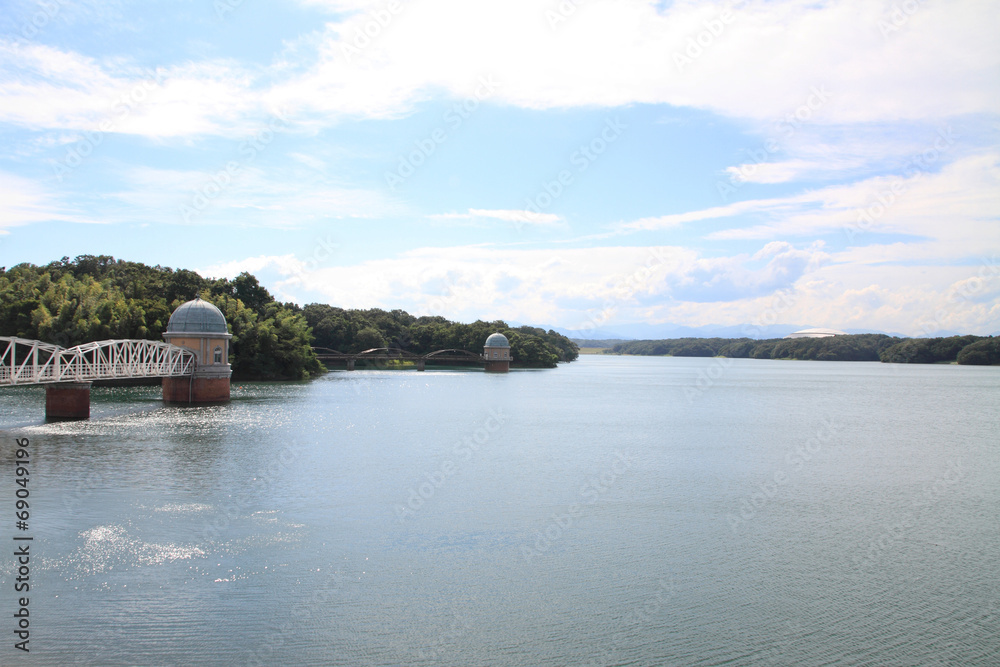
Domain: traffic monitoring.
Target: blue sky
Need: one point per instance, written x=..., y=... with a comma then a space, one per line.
x=583, y=164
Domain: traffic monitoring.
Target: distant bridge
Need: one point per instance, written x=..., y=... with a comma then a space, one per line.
x=394, y=354
x=25, y=361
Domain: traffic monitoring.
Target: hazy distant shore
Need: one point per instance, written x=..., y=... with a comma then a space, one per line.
x=966, y=350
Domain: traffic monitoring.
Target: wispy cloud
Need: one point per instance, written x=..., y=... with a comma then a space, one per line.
x=514, y=217
x=43, y=87
x=792, y=170
x=23, y=201
x=253, y=196
x=678, y=219
x=958, y=206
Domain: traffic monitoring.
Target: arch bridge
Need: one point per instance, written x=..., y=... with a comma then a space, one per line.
x=395, y=354
x=68, y=372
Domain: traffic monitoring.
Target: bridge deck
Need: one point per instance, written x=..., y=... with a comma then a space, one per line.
x=396, y=354
x=24, y=361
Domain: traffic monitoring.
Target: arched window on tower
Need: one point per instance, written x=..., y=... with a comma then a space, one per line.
x=218, y=355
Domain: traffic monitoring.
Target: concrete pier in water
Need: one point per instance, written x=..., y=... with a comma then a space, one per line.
x=67, y=400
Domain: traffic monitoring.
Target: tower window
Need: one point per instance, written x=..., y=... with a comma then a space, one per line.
x=218, y=355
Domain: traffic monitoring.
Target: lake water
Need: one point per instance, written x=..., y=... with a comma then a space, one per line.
x=613, y=511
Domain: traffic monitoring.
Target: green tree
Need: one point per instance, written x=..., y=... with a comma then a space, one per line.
x=247, y=289
x=369, y=338
x=983, y=352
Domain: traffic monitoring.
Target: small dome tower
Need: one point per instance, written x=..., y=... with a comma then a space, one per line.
x=497, y=353
x=200, y=327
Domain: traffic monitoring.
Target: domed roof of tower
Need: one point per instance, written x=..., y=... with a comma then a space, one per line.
x=197, y=316
x=497, y=340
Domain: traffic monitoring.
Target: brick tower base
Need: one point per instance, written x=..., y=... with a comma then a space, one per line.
x=188, y=390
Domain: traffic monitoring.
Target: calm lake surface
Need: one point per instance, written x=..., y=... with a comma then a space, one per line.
x=613, y=511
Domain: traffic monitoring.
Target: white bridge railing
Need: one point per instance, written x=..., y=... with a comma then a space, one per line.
x=26, y=361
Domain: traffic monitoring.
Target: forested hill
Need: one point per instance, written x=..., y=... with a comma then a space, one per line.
x=98, y=297
x=860, y=347
x=357, y=330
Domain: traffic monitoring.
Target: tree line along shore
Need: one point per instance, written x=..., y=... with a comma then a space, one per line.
x=969, y=350
x=91, y=298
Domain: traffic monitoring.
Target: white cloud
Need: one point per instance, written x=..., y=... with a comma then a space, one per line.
x=791, y=170
x=677, y=219
x=515, y=217
x=480, y=281
x=815, y=151
x=539, y=285
x=345, y=5
x=767, y=63
x=911, y=300
x=958, y=208
x=24, y=201
x=577, y=288
x=284, y=264
x=42, y=87
x=250, y=197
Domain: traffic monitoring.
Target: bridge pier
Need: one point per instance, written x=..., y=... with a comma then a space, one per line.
x=350, y=364
x=420, y=365
x=67, y=400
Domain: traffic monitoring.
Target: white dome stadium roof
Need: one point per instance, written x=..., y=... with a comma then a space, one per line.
x=816, y=333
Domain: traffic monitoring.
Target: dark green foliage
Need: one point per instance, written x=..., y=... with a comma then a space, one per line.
x=598, y=342
x=859, y=347
x=984, y=352
x=248, y=290
x=359, y=330
x=369, y=338
x=738, y=349
x=763, y=350
x=675, y=347
x=96, y=298
x=927, y=350
x=275, y=345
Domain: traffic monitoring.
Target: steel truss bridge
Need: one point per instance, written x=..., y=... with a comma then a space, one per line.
x=393, y=355
x=26, y=361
